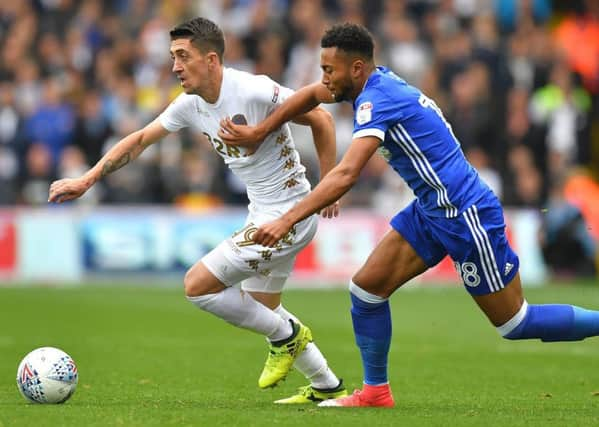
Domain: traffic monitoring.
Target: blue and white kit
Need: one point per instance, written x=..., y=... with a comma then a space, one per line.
x=455, y=212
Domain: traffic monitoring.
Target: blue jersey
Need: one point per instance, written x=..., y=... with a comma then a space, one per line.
x=419, y=144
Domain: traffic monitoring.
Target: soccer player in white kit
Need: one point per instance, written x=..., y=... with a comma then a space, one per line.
x=275, y=181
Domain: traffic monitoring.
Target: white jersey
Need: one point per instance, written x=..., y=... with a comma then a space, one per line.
x=273, y=173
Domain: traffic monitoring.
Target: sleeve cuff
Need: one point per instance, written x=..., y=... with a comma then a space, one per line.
x=167, y=125
x=369, y=132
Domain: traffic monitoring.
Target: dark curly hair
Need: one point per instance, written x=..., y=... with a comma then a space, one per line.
x=349, y=38
x=203, y=33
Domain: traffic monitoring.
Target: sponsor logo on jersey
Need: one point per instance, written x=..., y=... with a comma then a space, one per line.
x=364, y=113
x=275, y=94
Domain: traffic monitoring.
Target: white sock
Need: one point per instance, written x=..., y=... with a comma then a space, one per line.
x=240, y=309
x=311, y=362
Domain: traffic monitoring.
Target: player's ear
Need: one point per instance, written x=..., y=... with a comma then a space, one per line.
x=212, y=59
x=357, y=68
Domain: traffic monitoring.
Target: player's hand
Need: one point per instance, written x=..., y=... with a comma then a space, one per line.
x=238, y=134
x=270, y=233
x=67, y=189
x=330, y=211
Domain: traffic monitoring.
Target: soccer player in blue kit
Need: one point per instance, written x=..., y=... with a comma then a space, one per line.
x=454, y=213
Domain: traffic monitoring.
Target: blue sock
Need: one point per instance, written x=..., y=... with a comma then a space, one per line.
x=557, y=322
x=372, y=328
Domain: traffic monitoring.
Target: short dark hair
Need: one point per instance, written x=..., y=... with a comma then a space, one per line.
x=203, y=33
x=349, y=37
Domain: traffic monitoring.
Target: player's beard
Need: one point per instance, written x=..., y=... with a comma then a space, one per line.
x=340, y=96
x=343, y=93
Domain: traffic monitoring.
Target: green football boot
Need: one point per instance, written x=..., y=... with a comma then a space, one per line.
x=282, y=354
x=309, y=394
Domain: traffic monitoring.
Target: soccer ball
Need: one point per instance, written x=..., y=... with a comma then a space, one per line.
x=47, y=375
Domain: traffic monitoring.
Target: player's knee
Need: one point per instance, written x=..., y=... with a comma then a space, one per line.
x=373, y=284
x=363, y=295
x=189, y=285
x=192, y=283
x=200, y=281
x=514, y=329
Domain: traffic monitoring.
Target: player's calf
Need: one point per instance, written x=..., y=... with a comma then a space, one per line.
x=371, y=319
x=238, y=308
x=551, y=322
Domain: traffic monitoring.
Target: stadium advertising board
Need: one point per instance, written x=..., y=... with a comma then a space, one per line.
x=73, y=245
x=8, y=246
x=48, y=248
x=340, y=247
x=161, y=242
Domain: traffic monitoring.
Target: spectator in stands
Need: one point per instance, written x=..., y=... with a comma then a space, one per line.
x=38, y=174
x=514, y=13
x=53, y=123
x=578, y=38
x=567, y=246
x=92, y=128
x=564, y=108
x=404, y=50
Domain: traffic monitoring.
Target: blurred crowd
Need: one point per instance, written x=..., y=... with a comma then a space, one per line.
x=518, y=80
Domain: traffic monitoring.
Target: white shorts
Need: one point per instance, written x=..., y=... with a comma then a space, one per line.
x=258, y=268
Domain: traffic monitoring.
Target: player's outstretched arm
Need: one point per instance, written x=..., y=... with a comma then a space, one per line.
x=302, y=101
x=334, y=185
x=127, y=149
x=323, y=133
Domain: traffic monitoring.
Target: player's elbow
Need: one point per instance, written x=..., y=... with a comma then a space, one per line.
x=318, y=119
x=324, y=117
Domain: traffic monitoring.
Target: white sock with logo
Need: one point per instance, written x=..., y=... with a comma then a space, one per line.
x=240, y=309
x=311, y=362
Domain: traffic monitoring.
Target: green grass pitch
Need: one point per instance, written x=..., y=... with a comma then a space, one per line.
x=148, y=357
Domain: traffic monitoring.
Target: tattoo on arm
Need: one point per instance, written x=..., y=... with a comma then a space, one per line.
x=110, y=166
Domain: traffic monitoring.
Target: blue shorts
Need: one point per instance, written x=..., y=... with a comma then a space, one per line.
x=475, y=241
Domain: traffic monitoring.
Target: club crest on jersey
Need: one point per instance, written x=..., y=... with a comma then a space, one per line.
x=364, y=113
x=239, y=119
x=275, y=94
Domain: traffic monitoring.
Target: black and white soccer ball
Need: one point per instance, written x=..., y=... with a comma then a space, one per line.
x=47, y=375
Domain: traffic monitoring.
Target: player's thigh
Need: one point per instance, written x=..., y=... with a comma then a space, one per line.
x=267, y=285
x=499, y=307
x=405, y=252
x=267, y=289
x=199, y=280
x=261, y=271
x=485, y=261
x=391, y=264
x=214, y=272
x=267, y=261
x=477, y=243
